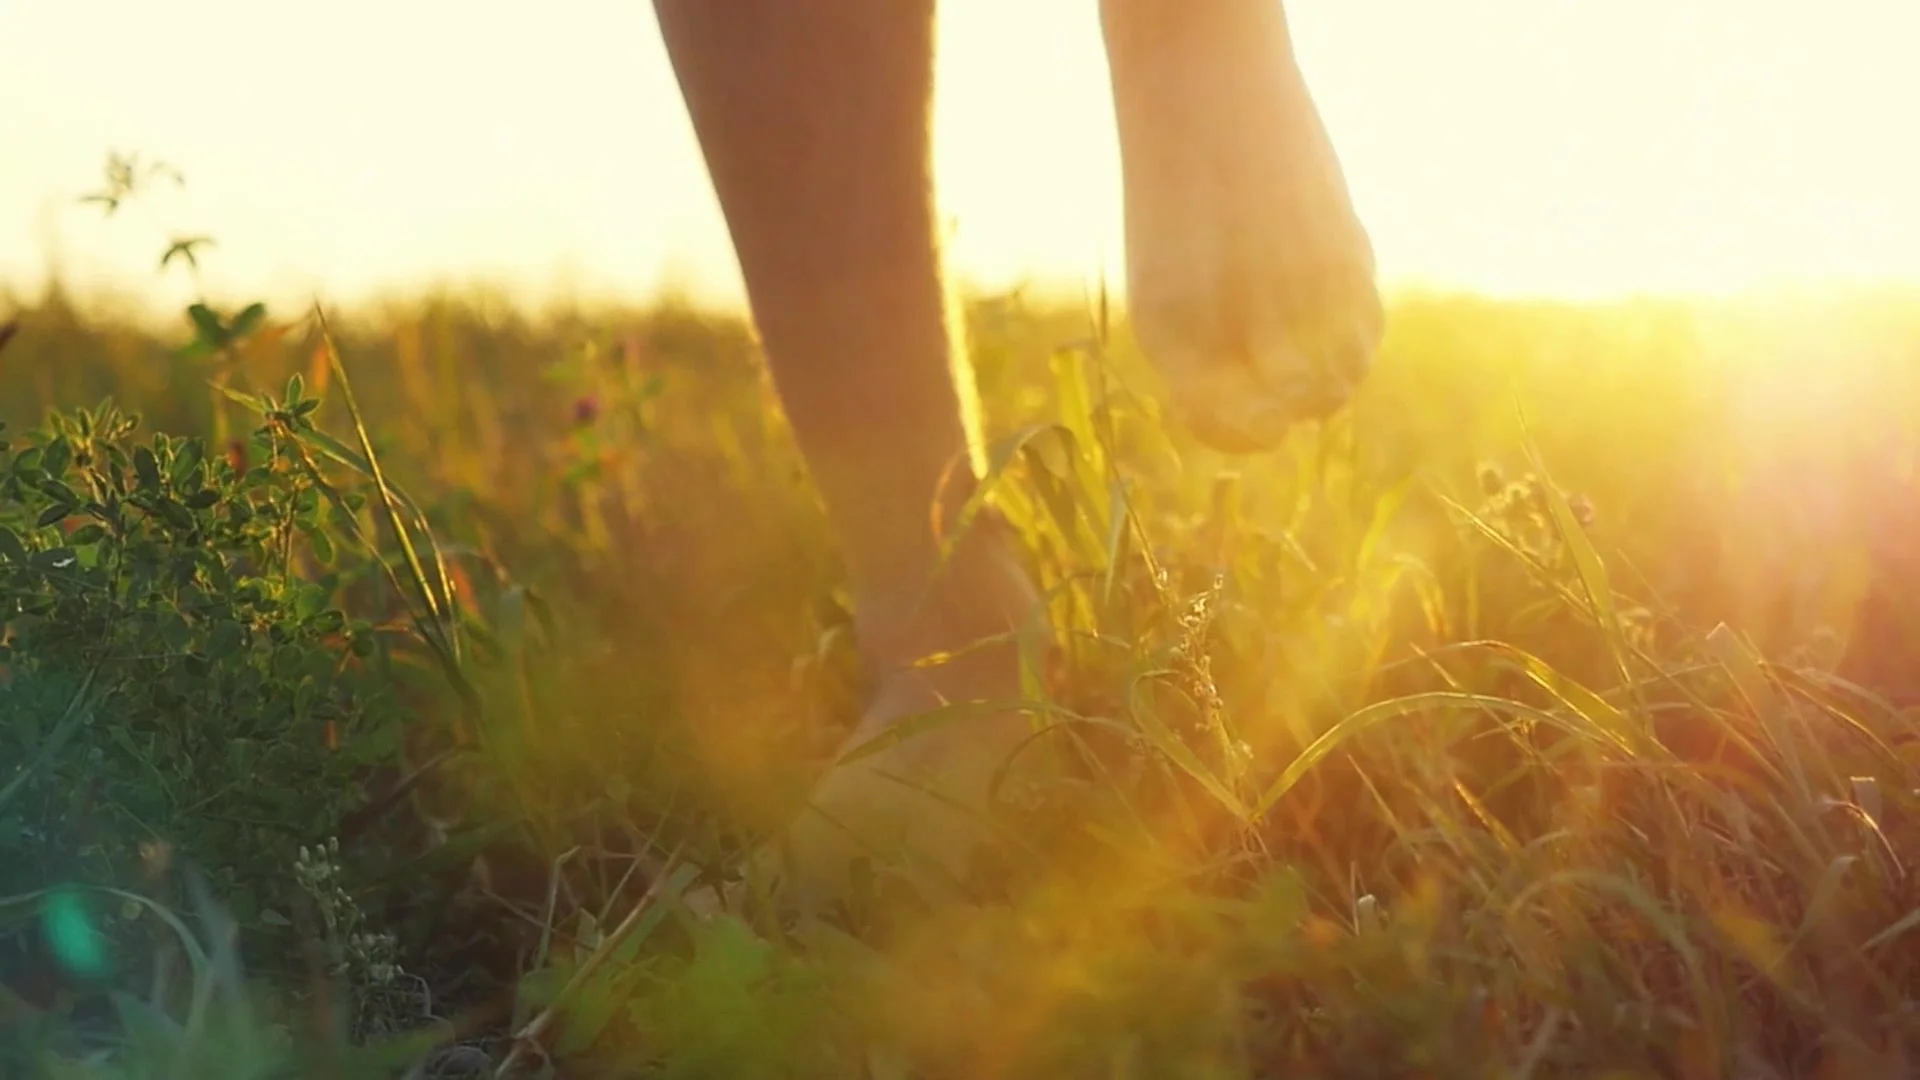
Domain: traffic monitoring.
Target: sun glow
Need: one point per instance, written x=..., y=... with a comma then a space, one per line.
x=1508, y=146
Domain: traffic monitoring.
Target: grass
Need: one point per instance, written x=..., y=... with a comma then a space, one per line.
x=1416, y=748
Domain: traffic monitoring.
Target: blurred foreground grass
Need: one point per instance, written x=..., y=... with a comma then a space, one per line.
x=1407, y=749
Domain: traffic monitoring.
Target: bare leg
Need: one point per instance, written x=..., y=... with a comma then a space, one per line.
x=1250, y=284
x=813, y=118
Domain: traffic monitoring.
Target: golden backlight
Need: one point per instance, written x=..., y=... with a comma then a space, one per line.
x=1513, y=146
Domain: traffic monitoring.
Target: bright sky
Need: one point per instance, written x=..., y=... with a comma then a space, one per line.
x=1567, y=147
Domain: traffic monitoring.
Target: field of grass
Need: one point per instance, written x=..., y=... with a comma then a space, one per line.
x=363, y=732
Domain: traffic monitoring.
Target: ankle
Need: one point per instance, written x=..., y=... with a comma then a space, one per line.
x=979, y=590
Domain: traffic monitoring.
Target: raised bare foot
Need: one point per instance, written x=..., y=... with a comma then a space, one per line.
x=1250, y=277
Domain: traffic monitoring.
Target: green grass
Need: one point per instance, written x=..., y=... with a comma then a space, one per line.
x=1407, y=750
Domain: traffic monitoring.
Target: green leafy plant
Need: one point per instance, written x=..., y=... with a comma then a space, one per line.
x=216, y=336
x=180, y=683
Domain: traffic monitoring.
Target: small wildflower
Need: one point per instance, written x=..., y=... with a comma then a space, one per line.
x=155, y=857
x=586, y=409
x=1582, y=509
x=367, y=958
x=1367, y=913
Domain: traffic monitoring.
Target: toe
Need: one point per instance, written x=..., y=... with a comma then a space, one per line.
x=1338, y=372
x=1277, y=366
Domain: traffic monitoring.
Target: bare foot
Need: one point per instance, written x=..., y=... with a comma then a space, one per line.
x=1250, y=278
x=918, y=804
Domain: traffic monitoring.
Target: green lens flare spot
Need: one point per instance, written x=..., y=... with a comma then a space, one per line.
x=72, y=936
